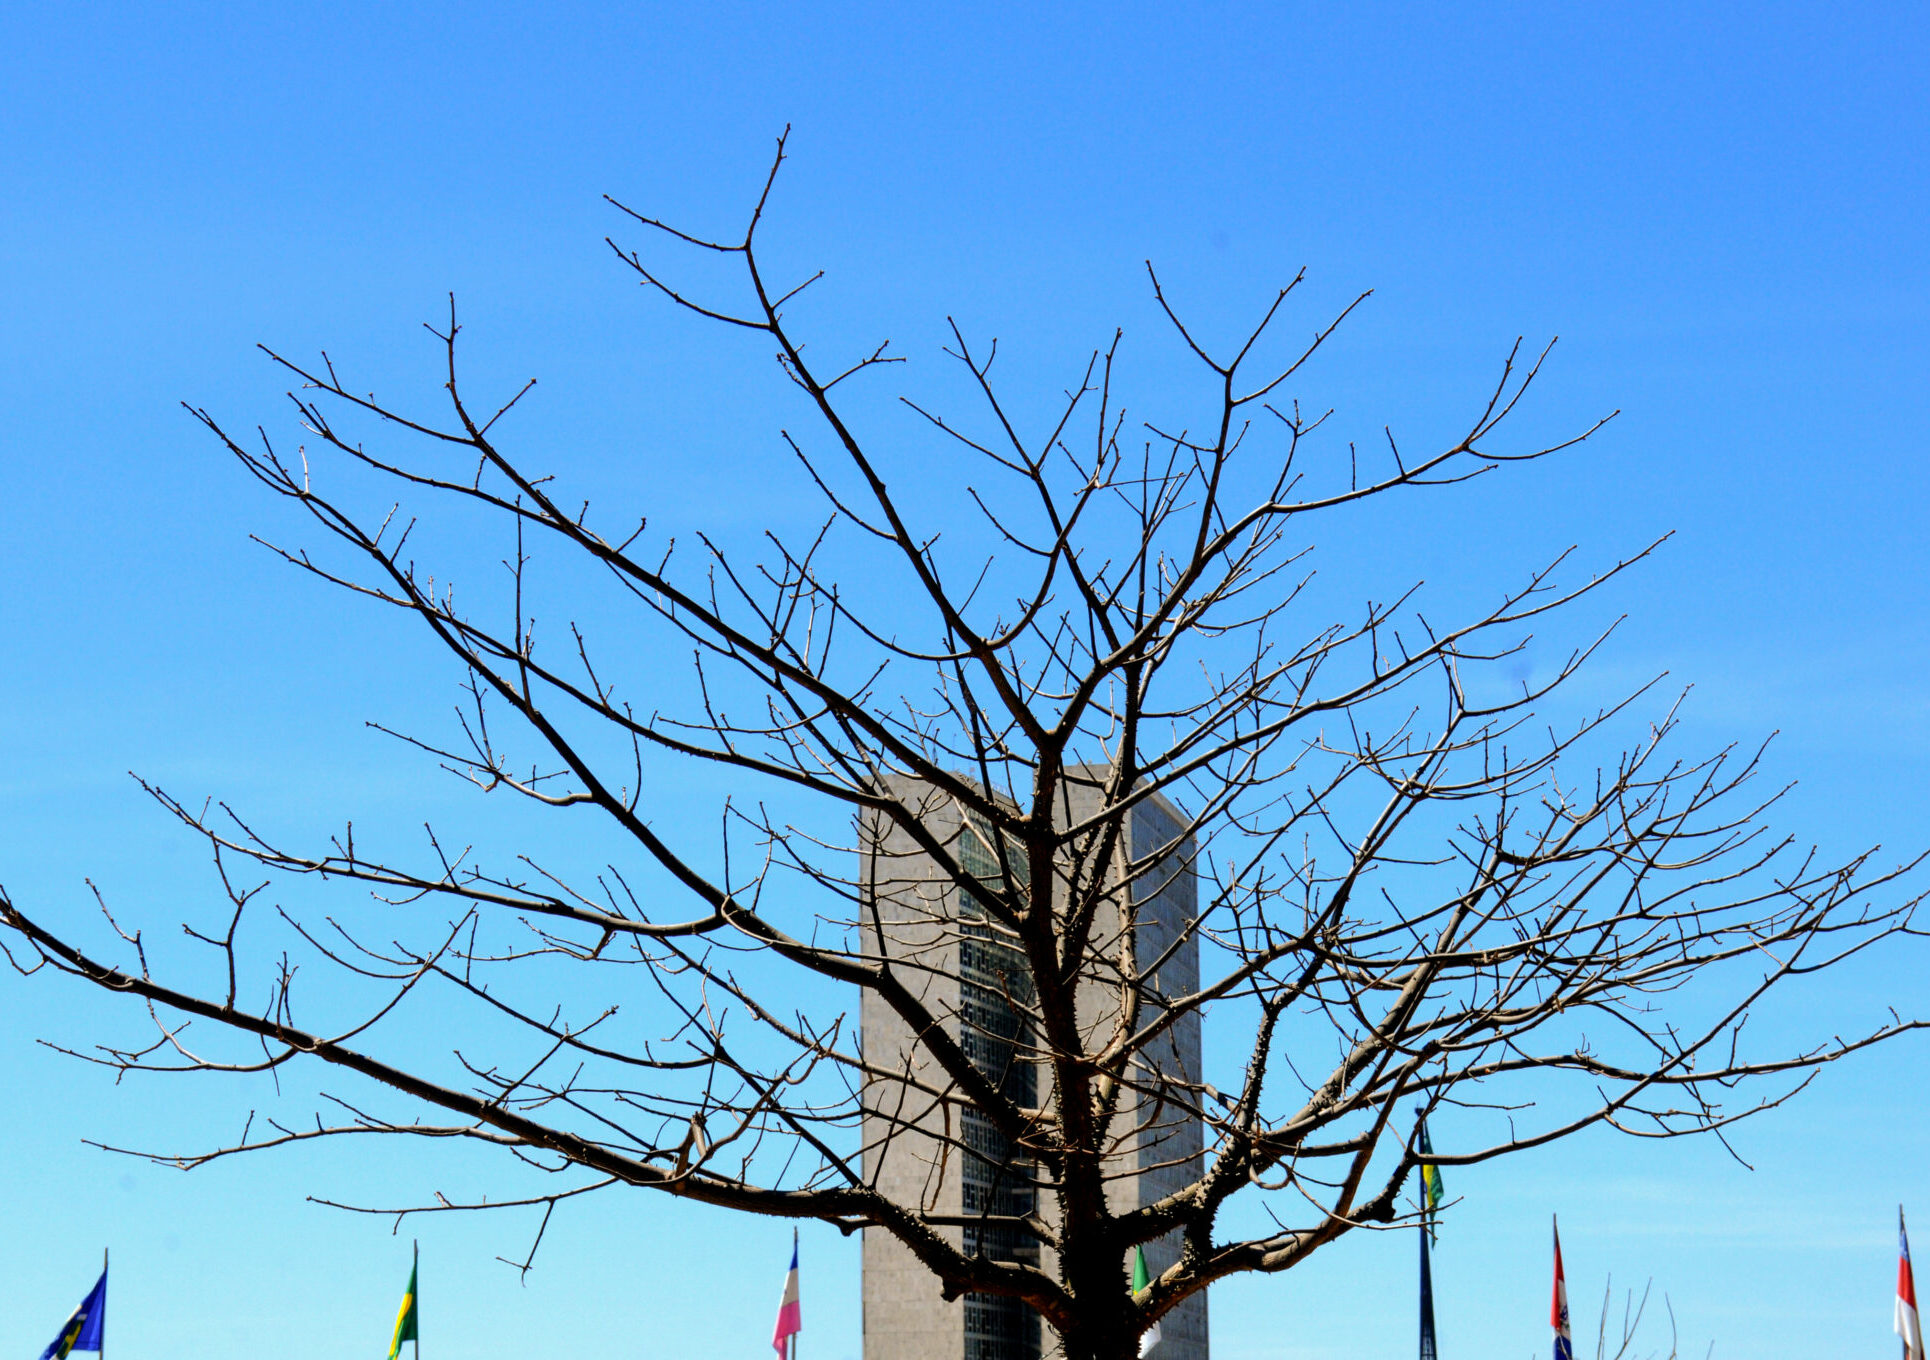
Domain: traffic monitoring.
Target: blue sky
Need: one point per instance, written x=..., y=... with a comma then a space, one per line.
x=1719, y=209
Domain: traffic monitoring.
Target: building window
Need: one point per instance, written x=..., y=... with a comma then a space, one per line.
x=994, y=982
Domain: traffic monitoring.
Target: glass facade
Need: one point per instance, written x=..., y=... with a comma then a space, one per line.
x=994, y=982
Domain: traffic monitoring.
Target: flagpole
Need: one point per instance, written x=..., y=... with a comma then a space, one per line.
x=1425, y=1228
x=1427, y=1303
x=103, y=1305
x=415, y=1268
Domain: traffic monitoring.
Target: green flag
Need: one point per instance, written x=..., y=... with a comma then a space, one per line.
x=1142, y=1282
x=405, y=1317
x=1432, y=1191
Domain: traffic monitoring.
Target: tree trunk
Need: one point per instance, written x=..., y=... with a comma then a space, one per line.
x=1102, y=1321
x=1100, y=1339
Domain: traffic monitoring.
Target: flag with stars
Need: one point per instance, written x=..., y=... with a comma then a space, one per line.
x=85, y=1330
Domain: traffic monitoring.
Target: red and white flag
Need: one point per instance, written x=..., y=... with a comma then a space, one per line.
x=1558, y=1310
x=1906, y=1296
x=790, y=1312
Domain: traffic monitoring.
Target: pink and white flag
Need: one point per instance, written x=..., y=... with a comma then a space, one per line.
x=790, y=1312
x=1906, y=1296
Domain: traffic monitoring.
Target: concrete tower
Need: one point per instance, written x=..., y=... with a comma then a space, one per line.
x=937, y=940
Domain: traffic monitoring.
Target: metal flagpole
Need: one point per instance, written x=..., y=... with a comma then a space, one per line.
x=1426, y=1228
x=1427, y=1302
x=103, y=1307
x=415, y=1273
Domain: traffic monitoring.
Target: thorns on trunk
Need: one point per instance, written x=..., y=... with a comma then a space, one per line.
x=1406, y=882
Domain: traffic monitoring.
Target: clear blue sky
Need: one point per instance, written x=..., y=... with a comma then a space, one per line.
x=1721, y=210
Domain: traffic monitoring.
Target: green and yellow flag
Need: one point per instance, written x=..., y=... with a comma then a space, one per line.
x=1431, y=1191
x=405, y=1317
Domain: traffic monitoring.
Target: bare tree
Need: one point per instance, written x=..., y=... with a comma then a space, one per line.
x=1634, y=1308
x=1418, y=882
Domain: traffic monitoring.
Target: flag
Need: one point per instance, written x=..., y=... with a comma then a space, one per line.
x=1906, y=1296
x=85, y=1329
x=790, y=1311
x=407, y=1323
x=1427, y=1304
x=1431, y=1189
x=1142, y=1286
x=1558, y=1310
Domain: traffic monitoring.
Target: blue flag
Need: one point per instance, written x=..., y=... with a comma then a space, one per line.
x=85, y=1328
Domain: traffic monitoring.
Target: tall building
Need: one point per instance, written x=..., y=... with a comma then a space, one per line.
x=939, y=942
